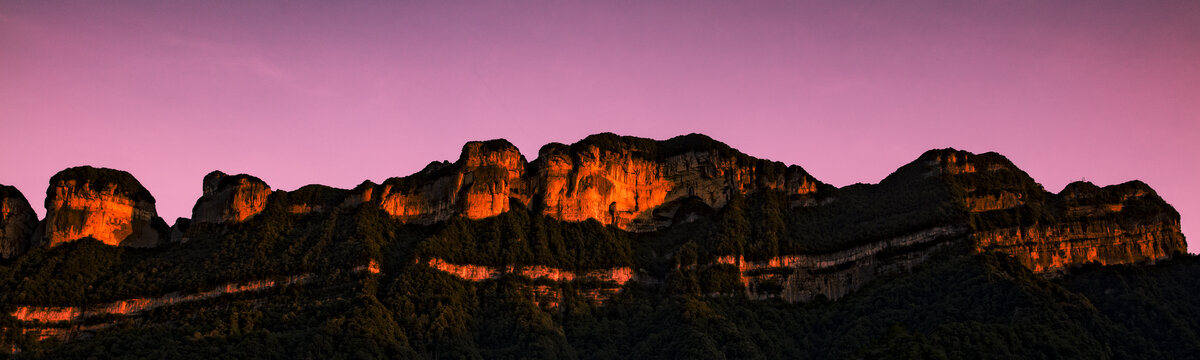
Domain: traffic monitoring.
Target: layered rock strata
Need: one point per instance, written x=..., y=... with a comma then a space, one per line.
x=832, y=275
x=1118, y=224
x=1011, y=213
x=610, y=281
x=618, y=275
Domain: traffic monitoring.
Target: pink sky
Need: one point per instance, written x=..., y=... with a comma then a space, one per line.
x=323, y=92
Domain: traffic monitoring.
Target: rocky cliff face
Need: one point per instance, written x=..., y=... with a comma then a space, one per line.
x=1118, y=224
x=230, y=198
x=108, y=205
x=1011, y=213
x=17, y=222
x=478, y=185
x=625, y=181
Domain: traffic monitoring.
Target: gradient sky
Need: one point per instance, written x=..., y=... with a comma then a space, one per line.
x=324, y=92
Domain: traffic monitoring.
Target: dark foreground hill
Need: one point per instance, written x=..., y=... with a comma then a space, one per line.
x=612, y=247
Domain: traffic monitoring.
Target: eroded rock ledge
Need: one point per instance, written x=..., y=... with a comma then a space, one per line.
x=832, y=275
x=612, y=280
x=61, y=322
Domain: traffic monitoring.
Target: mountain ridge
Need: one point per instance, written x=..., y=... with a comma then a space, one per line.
x=582, y=226
x=589, y=179
x=643, y=185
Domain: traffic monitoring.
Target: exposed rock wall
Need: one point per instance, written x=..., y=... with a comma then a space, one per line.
x=230, y=198
x=618, y=275
x=611, y=187
x=17, y=222
x=624, y=185
x=107, y=205
x=1119, y=224
x=478, y=185
x=1054, y=247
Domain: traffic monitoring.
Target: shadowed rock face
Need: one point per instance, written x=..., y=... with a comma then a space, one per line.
x=230, y=198
x=17, y=222
x=108, y=205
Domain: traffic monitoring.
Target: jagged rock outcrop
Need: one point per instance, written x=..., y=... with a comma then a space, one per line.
x=230, y=198
x=478, y=185
x=17, y=222
x=108, y=205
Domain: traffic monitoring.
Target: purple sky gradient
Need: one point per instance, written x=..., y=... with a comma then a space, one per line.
x=318, y=92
